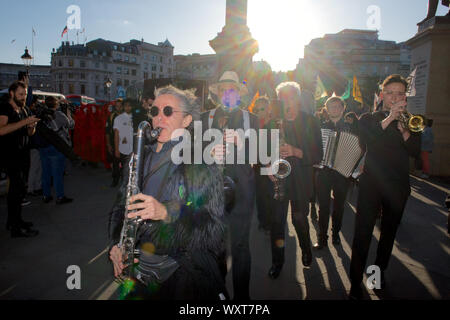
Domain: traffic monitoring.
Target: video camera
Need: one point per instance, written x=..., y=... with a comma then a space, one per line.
x=64, y=106
x=44, y=113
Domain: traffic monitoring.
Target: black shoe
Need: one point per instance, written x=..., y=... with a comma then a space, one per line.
x=47, y=199
x=275, y=271
x=25, y=202
x=356, y=293
x=382, y=282
x=307, y=258
x=336, y=240
x=23, y=233
x=320, y=244
x=23, y=224
x=63, y=200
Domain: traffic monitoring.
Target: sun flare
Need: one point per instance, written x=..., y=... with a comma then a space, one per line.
x=282, y=29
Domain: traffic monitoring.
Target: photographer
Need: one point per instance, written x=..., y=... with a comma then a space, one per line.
x=15, y=128
x=53, y=161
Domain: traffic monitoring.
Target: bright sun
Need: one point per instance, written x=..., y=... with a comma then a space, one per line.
x=282, y=28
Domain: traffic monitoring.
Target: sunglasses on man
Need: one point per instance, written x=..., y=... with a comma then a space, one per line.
x=167, y=111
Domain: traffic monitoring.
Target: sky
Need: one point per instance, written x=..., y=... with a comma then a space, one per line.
x=282, y=27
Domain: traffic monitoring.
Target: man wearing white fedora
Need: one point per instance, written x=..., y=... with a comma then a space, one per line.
x=229, y=115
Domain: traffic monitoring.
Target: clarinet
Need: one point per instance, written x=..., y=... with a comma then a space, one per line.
x=131, y=225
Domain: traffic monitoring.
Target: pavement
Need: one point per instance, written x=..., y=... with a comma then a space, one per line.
x=75, y=234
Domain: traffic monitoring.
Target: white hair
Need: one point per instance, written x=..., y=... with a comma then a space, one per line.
x=288, y=85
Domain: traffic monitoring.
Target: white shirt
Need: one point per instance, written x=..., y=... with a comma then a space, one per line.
x=124, y=124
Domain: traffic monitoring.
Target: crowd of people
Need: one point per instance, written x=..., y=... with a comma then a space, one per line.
x=188, y=212
x=191, y=215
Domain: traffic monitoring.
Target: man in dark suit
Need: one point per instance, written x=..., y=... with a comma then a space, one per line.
x=302, y=148
x=229, y=115
x=385, y=182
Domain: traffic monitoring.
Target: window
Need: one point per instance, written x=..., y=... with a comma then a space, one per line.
x=95, y=52
x=70, y=75
x=160, y=59
x=387, y=58
x=133, y=72
x=70, y=63
x=97, y=77
x=153, y=75
x=61, y=88
x=71, y=90
x=170, y=70
x=97, y=65
x=115, y=47
x=126, y=71
x=153, y=67
x=60, y=76
x=83, y=89
x=133, y=59
x=119, y=70
x=119, y=82
x=123, y=49
x=145, y=75
x=145, y=56
x=126, y=82
x=105, y=66
x=96, y=90
x=153, y=58
x=60, y=63
x=82, y=76
x=82, y=64
x=119, y=57
x=127, y=58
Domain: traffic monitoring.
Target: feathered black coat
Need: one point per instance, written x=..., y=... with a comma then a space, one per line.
x=193, y=234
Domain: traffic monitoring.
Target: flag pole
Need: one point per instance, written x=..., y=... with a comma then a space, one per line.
x=32, y=44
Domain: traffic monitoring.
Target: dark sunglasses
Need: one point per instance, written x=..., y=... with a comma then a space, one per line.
x=167, y=110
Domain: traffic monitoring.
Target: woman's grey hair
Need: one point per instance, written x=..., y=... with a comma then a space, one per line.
x=288, y=85
x=189, y=103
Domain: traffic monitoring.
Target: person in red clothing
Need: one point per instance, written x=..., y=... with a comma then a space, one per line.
x=109, y=130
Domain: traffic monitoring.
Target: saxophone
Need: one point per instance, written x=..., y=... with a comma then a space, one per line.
x=282, y=167
x=130, y=226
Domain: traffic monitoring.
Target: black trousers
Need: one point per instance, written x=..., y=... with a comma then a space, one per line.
x=263, y=196
x=279, y=210
x=238, y=223
x=15, y=196
x=389, y=197
x=328, y=180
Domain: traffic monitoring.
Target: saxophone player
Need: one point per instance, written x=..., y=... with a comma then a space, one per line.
x=385, y=181
x=303, y=149
x=182, y=207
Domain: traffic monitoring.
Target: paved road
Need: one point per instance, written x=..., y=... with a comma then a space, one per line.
x=76, y=234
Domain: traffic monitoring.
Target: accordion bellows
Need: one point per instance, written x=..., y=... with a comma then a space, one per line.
x=341, y=151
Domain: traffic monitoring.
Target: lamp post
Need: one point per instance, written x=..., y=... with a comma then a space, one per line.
x=26, y=58
x=108, y=84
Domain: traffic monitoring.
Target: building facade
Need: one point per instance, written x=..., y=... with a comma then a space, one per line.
x=85, y=69
x=40, y=76
x=352, y=52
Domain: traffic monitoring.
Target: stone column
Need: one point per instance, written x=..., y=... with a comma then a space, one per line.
x=430, y=49
x=234, y=45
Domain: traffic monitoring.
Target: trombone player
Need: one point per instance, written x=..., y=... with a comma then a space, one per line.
x=391, y=136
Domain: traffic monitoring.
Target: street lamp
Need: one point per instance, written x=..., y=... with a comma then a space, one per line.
x=26, y=58
x=108, y=84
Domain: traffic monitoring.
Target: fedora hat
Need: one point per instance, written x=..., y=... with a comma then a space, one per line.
x=229, y=77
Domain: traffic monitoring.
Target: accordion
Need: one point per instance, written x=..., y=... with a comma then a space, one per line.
x=341, y=151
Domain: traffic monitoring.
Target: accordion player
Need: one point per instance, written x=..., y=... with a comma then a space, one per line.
x=341, y=154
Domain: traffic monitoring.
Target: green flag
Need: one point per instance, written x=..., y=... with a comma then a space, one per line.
x=320, y=90
x=346, y=94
